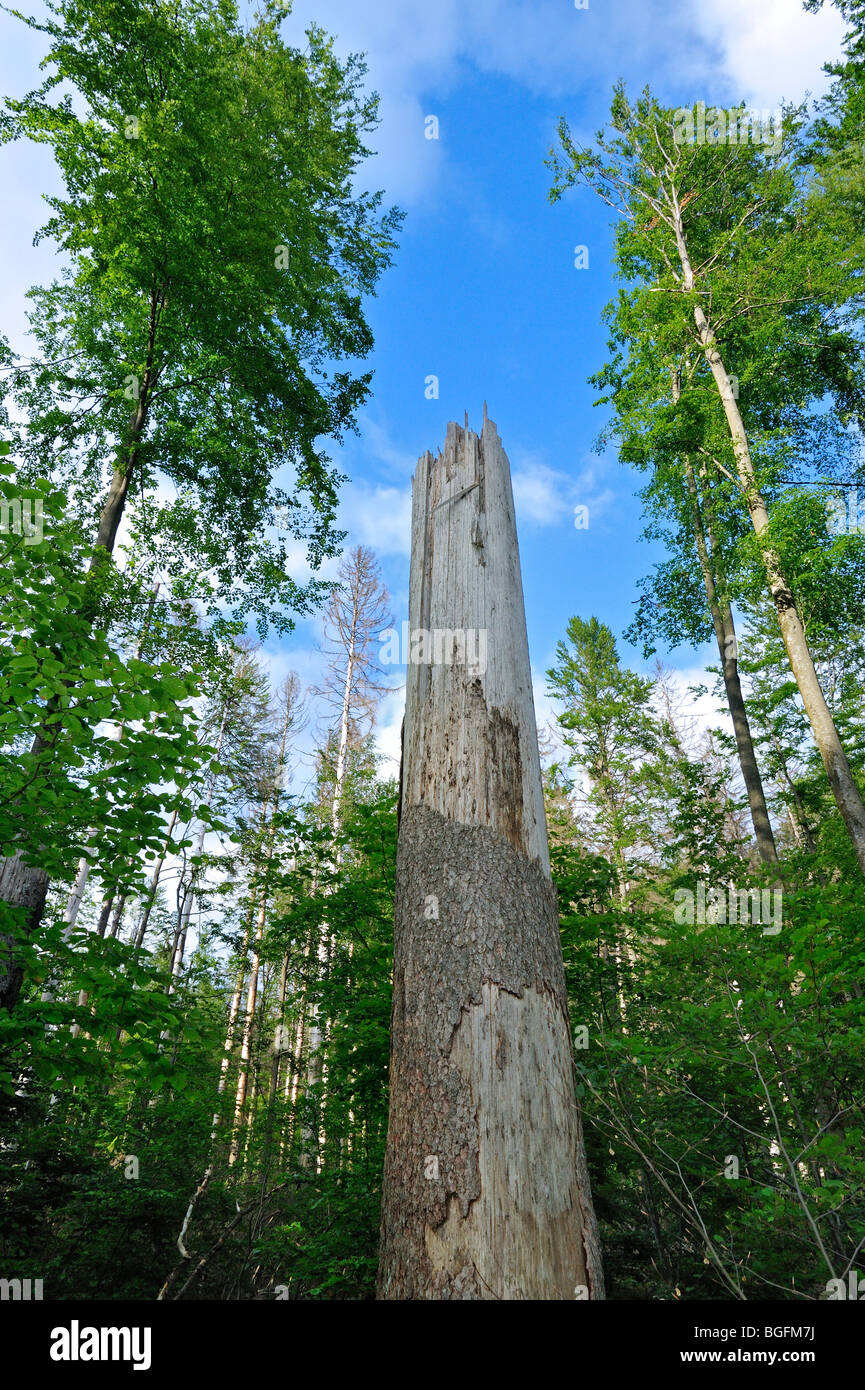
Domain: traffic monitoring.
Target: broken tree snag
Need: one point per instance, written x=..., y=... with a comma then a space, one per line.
x=486, y=1194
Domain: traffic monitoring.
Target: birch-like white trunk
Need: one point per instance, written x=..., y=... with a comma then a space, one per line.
x=255, y=970
x=841, y=779
x=179, y=947
x=315, y=1066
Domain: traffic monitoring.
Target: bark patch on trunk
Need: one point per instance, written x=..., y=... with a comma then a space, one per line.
x=21, y=886
x=481, y=1029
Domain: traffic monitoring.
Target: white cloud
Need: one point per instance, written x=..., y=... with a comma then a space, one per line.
x=378, y=516
x=541, y=494
x=410, y=47
x=419, y=51
x=770, y=51
x=298, y=566
x=545, y=496
x=382, y=450
x=388, y=731
x=546, y=710
x=547, y=45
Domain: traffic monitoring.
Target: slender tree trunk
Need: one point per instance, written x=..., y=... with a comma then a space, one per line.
x=279, y=1043
x=179, y=947
x=352, y=622
x=486, y=1192
x=312, y=1138
x=227, y=1049
x=315, y=1067
x=150, y=898
x=246, y=1041
x=798, y=818
x=76, y=896
x=117, y=918
x=292, y=1080
x=344, y=724
x=841, y=780
x=725, y=635
x=100, y=929
x=252, y=992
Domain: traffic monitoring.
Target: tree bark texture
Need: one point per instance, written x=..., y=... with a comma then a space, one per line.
x=486, y=1192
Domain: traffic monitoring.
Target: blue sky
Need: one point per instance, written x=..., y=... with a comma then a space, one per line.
x=484, y=293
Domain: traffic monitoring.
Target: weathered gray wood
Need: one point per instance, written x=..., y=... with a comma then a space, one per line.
x=486, y=1193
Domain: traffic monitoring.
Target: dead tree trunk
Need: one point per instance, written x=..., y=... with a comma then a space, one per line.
x=486, y=1192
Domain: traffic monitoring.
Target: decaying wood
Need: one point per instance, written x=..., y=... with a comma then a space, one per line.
x=486, y=1194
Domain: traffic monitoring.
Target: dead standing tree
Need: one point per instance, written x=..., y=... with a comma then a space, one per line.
x=486, y=1191
x=357, y=611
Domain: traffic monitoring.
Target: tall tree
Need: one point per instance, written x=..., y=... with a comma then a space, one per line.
x=355, y=614
x=219, y=253
x=696, y=225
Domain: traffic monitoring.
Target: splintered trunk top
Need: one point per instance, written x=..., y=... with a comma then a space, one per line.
x=486, y=1193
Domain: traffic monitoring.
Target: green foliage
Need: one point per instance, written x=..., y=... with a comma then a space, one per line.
x=220, y=251
x=700, y=1042
x=212, y=1067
